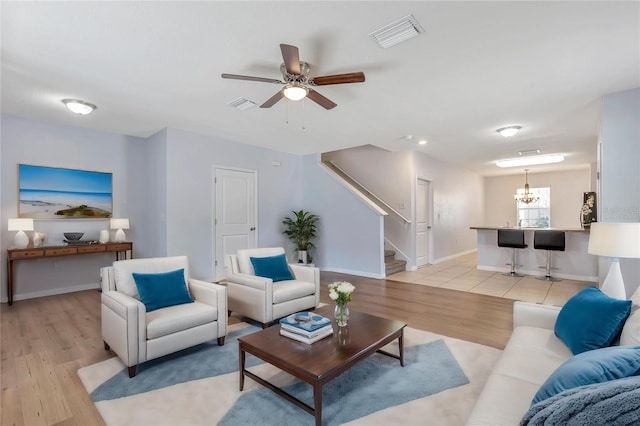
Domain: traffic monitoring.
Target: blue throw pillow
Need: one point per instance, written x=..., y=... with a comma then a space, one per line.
x=597, y=366
x=162, y=289
x=591, y=320
x=274, y=267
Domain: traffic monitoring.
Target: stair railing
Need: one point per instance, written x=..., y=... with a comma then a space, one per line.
x=363, y=189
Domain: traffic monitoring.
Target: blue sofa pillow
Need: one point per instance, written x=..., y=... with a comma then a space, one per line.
x=274, y=267
x=596, y=366
x=591, y=320
x=162, y=289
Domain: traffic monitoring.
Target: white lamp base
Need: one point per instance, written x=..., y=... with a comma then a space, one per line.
x=21, y=240
x=119, y=237
x=613, y=286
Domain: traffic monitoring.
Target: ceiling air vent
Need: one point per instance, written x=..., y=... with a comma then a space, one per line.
x=241, y=104
x=397, y=32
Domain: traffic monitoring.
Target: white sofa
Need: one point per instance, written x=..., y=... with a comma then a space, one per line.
x=532, y=353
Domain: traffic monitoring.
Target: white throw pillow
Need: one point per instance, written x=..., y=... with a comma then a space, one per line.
x=631, y=331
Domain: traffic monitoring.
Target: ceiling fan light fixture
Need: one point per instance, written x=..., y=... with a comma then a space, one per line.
x=531, y=160
x=295, y=92
x=509, y=131
x=79, y=107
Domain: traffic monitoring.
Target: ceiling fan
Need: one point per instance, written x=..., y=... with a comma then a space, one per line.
x=296, y=80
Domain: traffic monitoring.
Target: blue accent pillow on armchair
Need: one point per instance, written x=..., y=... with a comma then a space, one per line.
x=163, y=289
x=591, y=320
x=274, y=267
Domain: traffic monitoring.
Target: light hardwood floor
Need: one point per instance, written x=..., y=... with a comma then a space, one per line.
x=44, y=341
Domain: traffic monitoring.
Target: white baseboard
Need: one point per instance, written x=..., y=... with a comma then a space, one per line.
x=52, y=292
x=453, y=256
x=539, y=273
x=351, y=272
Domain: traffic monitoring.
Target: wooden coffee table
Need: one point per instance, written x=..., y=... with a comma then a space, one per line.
x=323, y=360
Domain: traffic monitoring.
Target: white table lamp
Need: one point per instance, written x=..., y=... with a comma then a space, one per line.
x=21, y=240
x=119, y=224
x=614, y=240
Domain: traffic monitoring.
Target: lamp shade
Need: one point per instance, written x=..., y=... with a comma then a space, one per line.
x=20, y=224
x=615, y=239
x=119, y=223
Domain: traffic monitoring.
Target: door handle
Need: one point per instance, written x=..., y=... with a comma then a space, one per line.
x=253, y=228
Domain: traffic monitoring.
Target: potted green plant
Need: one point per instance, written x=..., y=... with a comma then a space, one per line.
x=301, y=229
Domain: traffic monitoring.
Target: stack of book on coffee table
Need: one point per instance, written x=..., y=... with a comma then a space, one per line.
x=306, y=327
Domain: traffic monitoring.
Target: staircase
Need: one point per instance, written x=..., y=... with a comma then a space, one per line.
x=391, y=264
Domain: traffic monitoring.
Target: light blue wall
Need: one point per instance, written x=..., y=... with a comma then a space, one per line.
x=458, y=203
x=150, y=167
x=191, y=159
x=620, y=171
x=350, y=236
x=163, y=184
x=33, y=142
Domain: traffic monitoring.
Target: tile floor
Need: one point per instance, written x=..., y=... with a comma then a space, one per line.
x=462, y=274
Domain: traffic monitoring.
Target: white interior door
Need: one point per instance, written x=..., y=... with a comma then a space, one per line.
x=423, y=223
x=235, y=215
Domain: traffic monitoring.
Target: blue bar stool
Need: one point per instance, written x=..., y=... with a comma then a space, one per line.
x=550, y=241
x=513, y=239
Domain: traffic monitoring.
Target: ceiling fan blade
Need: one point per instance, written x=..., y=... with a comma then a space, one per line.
x=354, y=77
x=272, y=100
x=247, y=77
x=291, y=58
x=324, y=102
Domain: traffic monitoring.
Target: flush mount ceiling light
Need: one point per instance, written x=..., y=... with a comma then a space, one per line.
x=531, y=160
x=509, y=131
x=295, y=91
x=79, y=107
x=422, y=142
x=397, y=32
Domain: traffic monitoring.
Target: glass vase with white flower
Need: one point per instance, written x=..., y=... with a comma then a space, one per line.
x=340, y=292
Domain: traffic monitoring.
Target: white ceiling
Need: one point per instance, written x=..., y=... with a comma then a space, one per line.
x=477, y=67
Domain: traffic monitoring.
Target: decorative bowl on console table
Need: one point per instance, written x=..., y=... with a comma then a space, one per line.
x=73, y=236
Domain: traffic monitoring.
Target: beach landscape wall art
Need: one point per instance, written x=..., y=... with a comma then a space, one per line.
x=58, y=193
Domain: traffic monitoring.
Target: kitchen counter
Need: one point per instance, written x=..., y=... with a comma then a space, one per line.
x=494, y=228
x=574, y=263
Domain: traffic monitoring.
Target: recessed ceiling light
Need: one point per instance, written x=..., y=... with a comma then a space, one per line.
x=509, y=131
x=79, y=107
x=531, y=160
x=422, y=142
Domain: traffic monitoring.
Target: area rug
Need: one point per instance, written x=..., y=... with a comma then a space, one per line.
x=438, y=385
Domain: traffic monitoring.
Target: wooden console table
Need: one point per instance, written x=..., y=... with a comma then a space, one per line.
x=14, y=254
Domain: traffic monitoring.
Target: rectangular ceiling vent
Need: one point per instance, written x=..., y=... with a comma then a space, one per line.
x=242, y=104
x=397, y=32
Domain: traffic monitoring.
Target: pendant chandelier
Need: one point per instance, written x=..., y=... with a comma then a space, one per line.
x=526, y=197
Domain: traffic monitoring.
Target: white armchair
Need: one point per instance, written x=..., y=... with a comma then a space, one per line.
x=263, y=300
x=136, y=335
